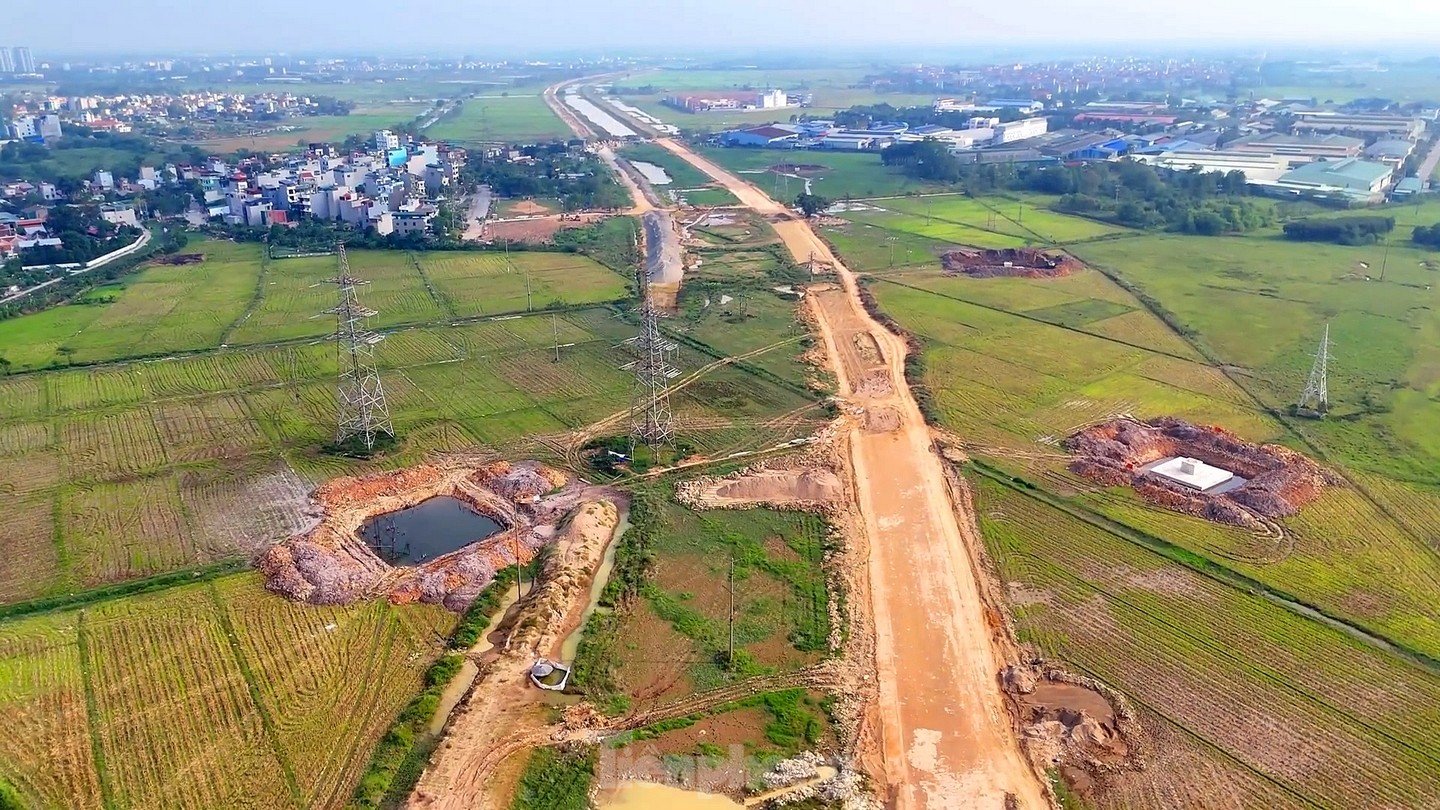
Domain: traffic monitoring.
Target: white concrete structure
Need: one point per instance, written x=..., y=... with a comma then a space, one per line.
x=1192, y=473
x=773, y=99
x=1019, y=130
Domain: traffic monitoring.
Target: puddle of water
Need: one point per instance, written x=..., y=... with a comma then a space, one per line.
x=655, y=174
x=457, y=688
x=426, y=530
x=484, y=645
x=597, y=586
x=650, y=796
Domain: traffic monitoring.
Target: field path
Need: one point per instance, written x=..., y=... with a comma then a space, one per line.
x=948, y=741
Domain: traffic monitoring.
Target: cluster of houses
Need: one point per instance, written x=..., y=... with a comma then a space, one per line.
x=393, y=187
x=1284, y=148
x=42, y=118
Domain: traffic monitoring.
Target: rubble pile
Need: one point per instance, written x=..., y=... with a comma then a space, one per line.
x=1021, y=262
x=330, y=565
x=1280, y=480
x=1080, y=726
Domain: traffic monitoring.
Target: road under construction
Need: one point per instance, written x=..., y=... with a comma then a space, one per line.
x=934, y=730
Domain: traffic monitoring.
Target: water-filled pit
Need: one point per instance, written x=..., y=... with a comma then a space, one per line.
x=427, y=530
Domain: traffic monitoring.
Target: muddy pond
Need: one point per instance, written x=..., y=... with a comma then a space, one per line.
x=427, y=530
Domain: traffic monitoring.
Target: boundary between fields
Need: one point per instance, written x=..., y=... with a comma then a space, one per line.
x=1209, y=568
x=227, y=626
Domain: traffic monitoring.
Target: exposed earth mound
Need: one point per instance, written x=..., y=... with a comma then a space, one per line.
x=1079, y=726
x=1023, y=262
x=1280, y=480
x=330, y=564
x=809, y=488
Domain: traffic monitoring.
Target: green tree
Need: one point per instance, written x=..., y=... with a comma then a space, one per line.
x=811, y=204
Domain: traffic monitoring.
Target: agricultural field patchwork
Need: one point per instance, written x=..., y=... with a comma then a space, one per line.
x=212, y=694
x=913, y=232
x=998, y=376
x=158, y=310
x=1149, y=600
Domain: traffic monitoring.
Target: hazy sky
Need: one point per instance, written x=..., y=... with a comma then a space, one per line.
x=675, y=26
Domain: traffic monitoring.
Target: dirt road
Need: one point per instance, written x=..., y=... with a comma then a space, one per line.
x=948, y=741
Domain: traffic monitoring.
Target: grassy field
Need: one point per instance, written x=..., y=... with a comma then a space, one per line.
x=521, y=117
x=845, y=175
x=161, y=309
x=216, y=693
x=687, y=182
x=1262, y=303
x=669, y=642
x=912, y=232
x=1119, y=589
x=362, y=120
x=236, y=297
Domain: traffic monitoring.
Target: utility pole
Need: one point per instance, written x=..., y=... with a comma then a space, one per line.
x=527, y=287
x=519, y=572
x=730, y=655
x=555, y=330
x=1384, y=259
x=892, y=240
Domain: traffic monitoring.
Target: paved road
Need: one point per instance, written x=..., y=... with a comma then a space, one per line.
x=138, y=244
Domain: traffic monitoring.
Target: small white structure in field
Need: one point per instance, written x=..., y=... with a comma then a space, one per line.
x=1192, y=473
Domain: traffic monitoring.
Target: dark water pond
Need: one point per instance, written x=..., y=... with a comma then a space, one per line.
x=426, y=530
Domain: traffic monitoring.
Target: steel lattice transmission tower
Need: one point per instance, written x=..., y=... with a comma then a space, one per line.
x=1316, y=396
x=360, y=399
x=651, y=420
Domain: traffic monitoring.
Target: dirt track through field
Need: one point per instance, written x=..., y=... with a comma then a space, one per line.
x=948, y=741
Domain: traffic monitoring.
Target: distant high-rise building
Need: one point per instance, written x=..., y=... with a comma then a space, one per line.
x=7, y=61
x=24, y=62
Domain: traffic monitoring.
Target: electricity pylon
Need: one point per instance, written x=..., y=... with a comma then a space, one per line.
x=1316, y=396
x=651, y=420
x=360, y=399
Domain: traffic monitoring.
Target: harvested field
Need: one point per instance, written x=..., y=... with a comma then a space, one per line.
x=1022, y=262
x=1280, y=480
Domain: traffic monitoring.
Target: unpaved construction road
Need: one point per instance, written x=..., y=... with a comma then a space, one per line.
x=947, y=738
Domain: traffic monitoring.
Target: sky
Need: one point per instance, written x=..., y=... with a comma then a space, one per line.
x=669, y=27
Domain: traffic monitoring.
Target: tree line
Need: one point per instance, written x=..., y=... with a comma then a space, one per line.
x=1124, y=192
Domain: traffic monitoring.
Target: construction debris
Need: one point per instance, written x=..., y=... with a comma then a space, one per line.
x=1280, y=480
x=329, y=564
x=1022, y=262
